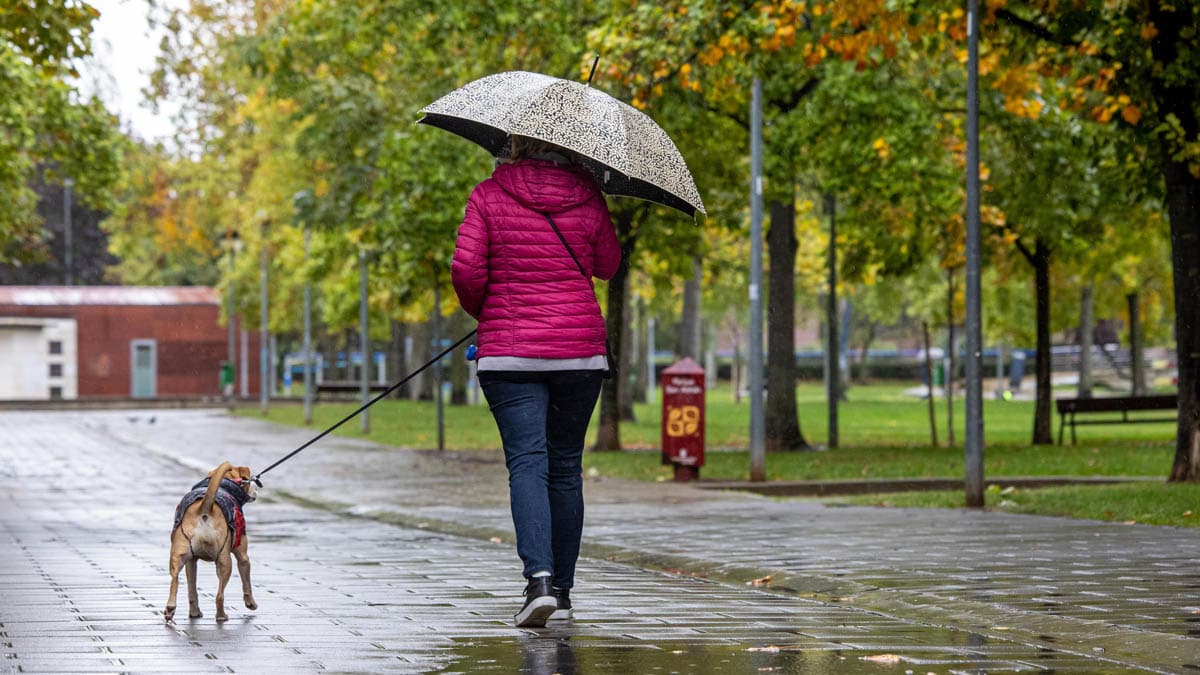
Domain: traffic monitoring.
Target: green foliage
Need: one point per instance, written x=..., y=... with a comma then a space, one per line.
x=45, y=122
x=1148, y=503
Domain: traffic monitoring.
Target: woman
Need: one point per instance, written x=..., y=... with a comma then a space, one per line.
x=534, y=235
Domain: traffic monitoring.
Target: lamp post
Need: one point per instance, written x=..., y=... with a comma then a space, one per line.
x=758, y=461
x=264, y=340
x=232, y=245
x=68, y=183
x=364, y=341
x=308, y=361
x=973, y=448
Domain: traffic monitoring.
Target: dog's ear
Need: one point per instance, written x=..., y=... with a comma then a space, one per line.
x=243, y=472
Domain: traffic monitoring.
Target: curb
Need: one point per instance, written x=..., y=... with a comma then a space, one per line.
x=821, y=488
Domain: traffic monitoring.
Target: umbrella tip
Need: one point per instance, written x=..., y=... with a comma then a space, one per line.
x=595, y=62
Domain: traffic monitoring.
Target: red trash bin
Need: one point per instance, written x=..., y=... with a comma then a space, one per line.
x=683, y=418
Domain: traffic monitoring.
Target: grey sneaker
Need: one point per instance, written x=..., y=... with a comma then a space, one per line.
x=540, y=603
x=563, y=611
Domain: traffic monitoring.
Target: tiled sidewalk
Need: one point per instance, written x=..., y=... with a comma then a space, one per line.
x=85, y=503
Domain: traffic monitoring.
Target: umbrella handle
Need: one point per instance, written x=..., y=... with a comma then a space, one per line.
x=594, y=64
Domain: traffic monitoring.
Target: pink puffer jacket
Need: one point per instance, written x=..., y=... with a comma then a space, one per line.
x=513, y=274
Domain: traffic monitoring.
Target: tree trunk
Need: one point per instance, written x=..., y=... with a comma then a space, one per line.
x=397, y=366
x=948, y=376
x=1177, y=97
x=929, y=385
x=625, y=357
x=782, y=428
x=689, y=324
x=460, y=373
x=1086, y=325
x=1041, y=414
x=421, y=386
x=642, y=378
x=863, y=353
x=1183, y=206
x=608, y=431
x=1137, y=357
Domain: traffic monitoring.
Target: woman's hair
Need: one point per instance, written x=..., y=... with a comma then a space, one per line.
x=524, y=147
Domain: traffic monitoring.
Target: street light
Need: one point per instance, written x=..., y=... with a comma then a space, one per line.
x=264, y=340
x=232, y=244
x=68, y=183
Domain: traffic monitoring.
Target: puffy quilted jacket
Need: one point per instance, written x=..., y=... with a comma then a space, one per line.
x=512, y=273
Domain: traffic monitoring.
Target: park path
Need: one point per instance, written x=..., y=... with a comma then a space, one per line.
x=374, y=559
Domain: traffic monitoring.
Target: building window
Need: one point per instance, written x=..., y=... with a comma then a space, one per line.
x=56, y=393
x=56, y=346
x=55, y=370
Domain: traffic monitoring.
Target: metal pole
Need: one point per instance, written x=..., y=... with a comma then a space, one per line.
x=308, y=361
x=244, y=366
x=363, y=339
x=650, y=349
x=832, y=364
x=232, y=320
x=68, y=183
x=758, y=460
x=437, y=369
x=264, y=339
x=974, y=370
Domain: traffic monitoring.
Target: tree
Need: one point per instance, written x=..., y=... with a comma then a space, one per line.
x=1136, y=65
x=51, y=132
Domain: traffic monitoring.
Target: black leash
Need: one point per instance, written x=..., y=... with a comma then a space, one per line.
x=366, y=405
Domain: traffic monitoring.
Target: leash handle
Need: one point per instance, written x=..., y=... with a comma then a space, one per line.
x=257, y=478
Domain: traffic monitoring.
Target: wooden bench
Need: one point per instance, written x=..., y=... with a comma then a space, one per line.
x=344, y=389
x=1069, y=408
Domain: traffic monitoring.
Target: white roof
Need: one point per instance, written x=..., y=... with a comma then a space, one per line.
x=108, y=295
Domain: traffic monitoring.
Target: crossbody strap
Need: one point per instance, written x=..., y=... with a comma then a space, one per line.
x=566, y=245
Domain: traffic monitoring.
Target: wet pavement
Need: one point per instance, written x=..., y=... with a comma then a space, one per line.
x=374, y=559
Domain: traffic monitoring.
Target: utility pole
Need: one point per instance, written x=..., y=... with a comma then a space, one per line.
x=308, y=360
x=833, y=369
x=758, y=460
x=68, y=183
x=974, y=371
x=363, y=339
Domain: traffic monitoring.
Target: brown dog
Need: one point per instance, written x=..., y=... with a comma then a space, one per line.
x=202, y=532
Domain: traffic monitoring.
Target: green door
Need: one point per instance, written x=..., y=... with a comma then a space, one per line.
x=145, y=367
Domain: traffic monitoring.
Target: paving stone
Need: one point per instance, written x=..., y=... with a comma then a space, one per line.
x=85, y=507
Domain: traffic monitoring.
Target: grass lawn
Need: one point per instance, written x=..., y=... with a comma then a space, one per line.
x=1150, y=503
x=884, y=434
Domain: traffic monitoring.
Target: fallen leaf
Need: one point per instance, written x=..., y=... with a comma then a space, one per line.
x=882, y=658
x=764, y=581
x=1187, y=514
x=496, y=540
x=769, y=648
x=1129, y=522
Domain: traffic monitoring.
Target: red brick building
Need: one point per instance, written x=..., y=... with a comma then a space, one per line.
x=116, y=342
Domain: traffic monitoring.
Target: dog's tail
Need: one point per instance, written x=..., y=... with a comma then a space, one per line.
x=214, y=483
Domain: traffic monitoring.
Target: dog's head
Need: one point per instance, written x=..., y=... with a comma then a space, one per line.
x=243, y=477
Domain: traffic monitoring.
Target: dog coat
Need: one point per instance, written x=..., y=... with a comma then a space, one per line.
x=230, y=498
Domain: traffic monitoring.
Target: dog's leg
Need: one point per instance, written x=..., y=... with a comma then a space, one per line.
x=193, y=597
x=243, y=563
x=224, y=569
x=177, y=561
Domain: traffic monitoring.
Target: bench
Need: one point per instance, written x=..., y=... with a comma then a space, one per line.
x=344, y=389
x=1069, y=408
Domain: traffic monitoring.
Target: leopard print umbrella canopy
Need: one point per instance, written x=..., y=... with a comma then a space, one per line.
x=630, y=154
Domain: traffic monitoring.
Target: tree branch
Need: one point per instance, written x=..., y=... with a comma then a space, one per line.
x=1041, y=32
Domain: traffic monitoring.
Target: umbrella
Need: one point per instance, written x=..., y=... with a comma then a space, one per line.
x=629, y=154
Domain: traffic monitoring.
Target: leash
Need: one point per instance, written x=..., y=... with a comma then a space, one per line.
x=257, y=478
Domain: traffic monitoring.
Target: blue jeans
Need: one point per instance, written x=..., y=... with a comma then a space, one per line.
x=543, y=418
